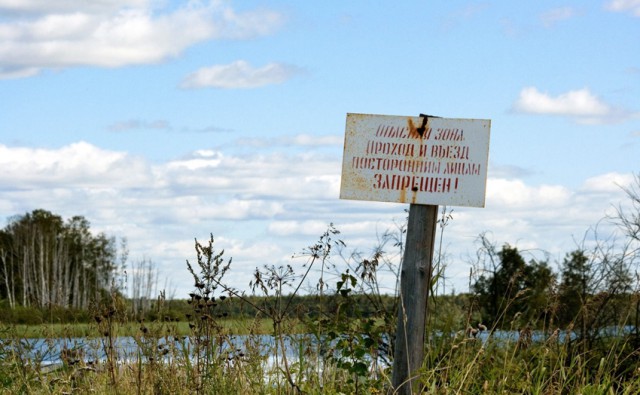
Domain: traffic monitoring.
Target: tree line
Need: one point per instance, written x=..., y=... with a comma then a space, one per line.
x=588, y=290
x=47, y=261
x=595, y=286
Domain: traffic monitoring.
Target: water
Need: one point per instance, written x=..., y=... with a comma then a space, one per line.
x=48, y=352
x=127, y=349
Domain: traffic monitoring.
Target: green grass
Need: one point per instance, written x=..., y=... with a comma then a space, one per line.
x=237, y=326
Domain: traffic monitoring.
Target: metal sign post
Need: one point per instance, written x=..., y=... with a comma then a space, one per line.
x=425, y=161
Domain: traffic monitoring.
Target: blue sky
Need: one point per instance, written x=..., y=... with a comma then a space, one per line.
x=162, y=121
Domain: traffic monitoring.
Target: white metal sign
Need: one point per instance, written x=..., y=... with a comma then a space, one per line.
x=419, y=160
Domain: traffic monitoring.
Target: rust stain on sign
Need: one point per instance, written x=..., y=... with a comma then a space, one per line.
x=416, y=133
x=421, y=160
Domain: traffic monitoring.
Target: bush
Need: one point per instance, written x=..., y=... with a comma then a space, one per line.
x=26, y=316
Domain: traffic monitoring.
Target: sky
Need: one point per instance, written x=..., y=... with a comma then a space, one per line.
x=165, y=121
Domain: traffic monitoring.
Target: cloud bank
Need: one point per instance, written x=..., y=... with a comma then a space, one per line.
x=62, y=34
x=268, y=204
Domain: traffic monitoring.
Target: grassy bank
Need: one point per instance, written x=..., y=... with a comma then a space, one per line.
x=236, y=326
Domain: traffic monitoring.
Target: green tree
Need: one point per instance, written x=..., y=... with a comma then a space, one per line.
x=540, y=286
x=574, y=287
x=595, y=289
x=508, y=285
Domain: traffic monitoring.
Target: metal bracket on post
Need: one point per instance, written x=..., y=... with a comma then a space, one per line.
x=425, y=121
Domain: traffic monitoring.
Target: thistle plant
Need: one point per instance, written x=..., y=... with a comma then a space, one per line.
x=206, y=330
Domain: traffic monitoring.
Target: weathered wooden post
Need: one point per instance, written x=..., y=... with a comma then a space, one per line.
x=415, y=280
x=425, y=161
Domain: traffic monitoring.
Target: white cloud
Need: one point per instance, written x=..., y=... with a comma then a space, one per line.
x=232, y=209
x=77, y=165
x=287, y=228
x=202, y=159
x=578, y=102
x=59, y=6
x=608, y=183
x=553, y=16
x=581, y=105
x=308, y=140
x=514, y=193
x=630, y=6
x=265, y=206
x=117, y=33
x=239, y=74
